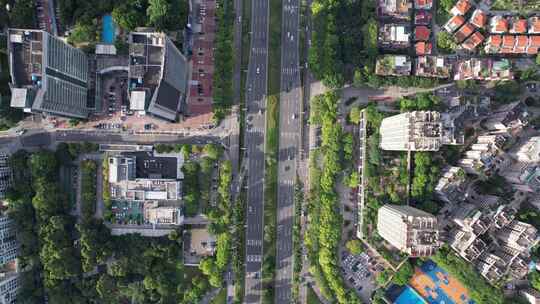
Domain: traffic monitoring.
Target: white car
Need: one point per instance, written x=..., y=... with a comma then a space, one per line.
x=258, y=71
x=21, y=132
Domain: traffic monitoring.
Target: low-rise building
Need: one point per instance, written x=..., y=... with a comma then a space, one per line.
x=498, y=25
x=529, y=152
x=524, y=176
x=393, y=65
x=421, y=33
x=422, y=17
x=454, y=23
x=150, y=183
x=464, y=32
x=423, y=4
x=519, y=25
x=433, y=66
x=452, y=186
x=479, y=18
x=507, y=118
x=531, y=295
x=412, y=131
x=483, y=69
x=473, y=41
x=392, y=36
x=461, y=7
x=395, y=9
x=422, y=48
x=411, y=230
x=485, y=156
x=534, y=25
x=496, y=244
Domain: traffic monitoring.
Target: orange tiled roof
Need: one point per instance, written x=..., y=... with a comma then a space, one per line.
x=423, y=3
x=423, y=48
x=479, y=18
x=473, y=41
x=421, y=33
x=532, y=50
x=462, y=6
x=495, y=40
x=534, y=41
x=519, y=26
x=456, y=21
x=508, y=41
x=464, y=32
x=521, y=44
x=501, y=25
x=521, y=40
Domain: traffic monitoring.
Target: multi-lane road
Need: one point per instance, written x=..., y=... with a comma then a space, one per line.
x=289, y=140
x=255, y=147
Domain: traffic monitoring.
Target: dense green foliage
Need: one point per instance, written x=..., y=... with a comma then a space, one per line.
x=529, y=214
x=223, y=60
x=480, y=291
x=88, y=188
x=419, y=102
x=55, y=252
x=191, y=187
x=20, y=15
x=336, y=40
x=354, y=246
x=404, y=274
x=324, y=233
x=446, y=42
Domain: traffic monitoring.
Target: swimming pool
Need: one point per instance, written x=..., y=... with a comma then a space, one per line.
x=409, y=296
x=108, y=29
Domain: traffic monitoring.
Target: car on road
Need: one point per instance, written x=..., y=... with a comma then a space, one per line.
x=21, y=132
x=258, y=70
x=293, y=116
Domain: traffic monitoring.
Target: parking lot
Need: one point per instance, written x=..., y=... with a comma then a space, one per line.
x=359, y=272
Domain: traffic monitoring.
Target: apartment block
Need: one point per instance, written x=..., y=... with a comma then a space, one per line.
x=414, y=131
x=411, y=230
x=157, y=77
x=150, y=181
x=5, y=175
x=47, y=75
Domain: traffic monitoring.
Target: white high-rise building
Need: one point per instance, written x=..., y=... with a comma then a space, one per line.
x=5, y=175
x=414, y=131
x=8, y=240
x=411, y=230
x=9, y=277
